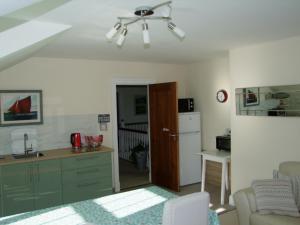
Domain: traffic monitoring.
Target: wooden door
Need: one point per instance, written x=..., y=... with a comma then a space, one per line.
x=164, y=135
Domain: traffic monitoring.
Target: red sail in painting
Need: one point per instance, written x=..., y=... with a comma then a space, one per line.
x=21, y=106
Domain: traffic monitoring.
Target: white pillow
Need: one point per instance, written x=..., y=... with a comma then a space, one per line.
x=295, y=182
x=275, y=196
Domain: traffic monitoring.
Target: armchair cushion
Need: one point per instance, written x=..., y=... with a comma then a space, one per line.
x=258, y=219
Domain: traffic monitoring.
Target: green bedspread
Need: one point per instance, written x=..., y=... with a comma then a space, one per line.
x=139, y=207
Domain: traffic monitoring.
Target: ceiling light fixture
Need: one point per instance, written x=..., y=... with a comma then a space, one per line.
x=144, y=13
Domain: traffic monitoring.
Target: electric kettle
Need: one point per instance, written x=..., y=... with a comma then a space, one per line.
x=76, y=140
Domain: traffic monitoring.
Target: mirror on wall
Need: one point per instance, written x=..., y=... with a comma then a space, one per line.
x=268, y=101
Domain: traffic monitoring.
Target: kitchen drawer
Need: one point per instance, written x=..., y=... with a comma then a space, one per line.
x=83, y=161
x=103, y=180
x=87, y=190
x=88, y=173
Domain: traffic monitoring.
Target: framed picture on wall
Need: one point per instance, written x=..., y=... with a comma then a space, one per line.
x=251, y=96
x=140, y=104
x=21, y=107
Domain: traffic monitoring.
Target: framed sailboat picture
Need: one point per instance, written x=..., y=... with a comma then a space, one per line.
x=21, y=107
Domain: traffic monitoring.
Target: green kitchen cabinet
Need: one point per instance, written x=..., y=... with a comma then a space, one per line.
x=27, y=186
x=47, y=183
x=30, y=186
x=86, y=177
x=17, y=188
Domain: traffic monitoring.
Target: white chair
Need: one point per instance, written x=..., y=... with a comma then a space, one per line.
x=190, y=209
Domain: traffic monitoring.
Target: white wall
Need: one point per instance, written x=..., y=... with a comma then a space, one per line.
x=205, y=79
x=79, y=88
x=260, y=143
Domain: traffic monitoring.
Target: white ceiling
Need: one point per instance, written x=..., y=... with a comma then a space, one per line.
x=212, y=27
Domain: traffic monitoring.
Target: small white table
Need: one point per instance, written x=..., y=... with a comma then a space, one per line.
x=216, y=156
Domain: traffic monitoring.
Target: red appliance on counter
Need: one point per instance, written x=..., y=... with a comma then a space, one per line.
x=76, y=140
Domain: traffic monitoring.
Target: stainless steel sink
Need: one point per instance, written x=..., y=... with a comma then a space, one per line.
x=29, y=155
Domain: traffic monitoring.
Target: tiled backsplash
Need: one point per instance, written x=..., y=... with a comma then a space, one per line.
x=55, y=132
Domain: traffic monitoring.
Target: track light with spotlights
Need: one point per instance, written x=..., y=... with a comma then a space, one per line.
x=145, y=13
x=122, y=37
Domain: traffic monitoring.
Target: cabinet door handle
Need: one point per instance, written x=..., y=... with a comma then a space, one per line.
x=39, y=174
x=31, y=174
x=87, y=184
x=87, y=171
x=27, y=176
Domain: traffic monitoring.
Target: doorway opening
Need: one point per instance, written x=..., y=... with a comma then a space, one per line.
x=133, y=135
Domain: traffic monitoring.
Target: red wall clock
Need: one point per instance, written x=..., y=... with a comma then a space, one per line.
x=222, y=96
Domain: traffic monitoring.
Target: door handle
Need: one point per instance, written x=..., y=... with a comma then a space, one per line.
x=165, y=129
x=174, y=136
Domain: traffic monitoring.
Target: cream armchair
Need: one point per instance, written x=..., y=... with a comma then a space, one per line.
x=246, y=205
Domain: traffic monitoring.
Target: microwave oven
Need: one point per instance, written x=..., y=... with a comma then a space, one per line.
x=223, y=143
x=185, y=105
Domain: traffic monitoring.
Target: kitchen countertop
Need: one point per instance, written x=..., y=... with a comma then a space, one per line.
x=52, y=154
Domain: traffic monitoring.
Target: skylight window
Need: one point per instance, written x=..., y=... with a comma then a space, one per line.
x=26, y=35
x=9, y=6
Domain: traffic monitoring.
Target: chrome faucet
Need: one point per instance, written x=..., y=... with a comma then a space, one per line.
x=27, y=150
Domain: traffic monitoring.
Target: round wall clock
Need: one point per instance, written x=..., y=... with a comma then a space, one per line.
x=222, y=96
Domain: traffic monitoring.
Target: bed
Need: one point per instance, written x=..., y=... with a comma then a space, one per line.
x=138, y=207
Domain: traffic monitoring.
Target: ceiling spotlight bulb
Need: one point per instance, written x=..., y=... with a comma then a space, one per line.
x=180, y=33
x=113, y=31
x=146, y=36
x=122, y=37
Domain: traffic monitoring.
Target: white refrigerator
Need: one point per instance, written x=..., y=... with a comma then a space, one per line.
x=189, y=145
